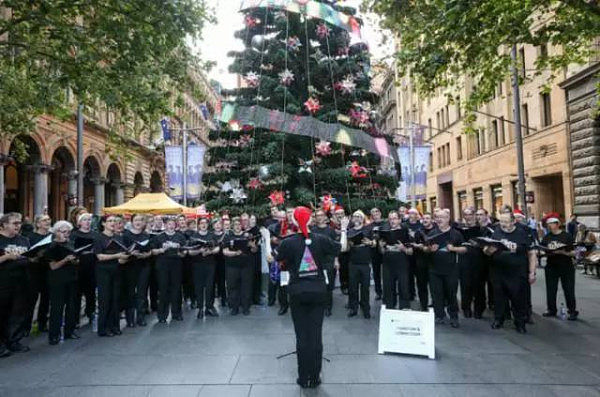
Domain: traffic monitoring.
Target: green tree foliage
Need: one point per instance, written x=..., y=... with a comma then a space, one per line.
x=441, y=41
x=318, y=65
x=128, y=55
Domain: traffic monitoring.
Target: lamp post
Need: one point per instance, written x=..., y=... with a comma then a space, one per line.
x=518, y=134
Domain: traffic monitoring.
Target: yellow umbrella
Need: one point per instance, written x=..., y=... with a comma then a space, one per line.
x=149, y=203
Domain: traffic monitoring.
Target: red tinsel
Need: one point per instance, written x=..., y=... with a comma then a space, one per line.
x=277, y=197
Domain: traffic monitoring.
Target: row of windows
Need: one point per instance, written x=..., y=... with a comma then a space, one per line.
x=496, y=196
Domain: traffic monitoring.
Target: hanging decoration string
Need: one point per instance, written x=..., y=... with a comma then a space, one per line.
x=312, y=140
x=285, y=92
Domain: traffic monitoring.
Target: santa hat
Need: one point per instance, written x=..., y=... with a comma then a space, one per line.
x=552, y=217
x=518, y=212
x=338, y=208
x=302, y=217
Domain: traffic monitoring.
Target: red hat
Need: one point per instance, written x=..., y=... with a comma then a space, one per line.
x=302, y=217
x=518, y=212
x=552, y=217
x=338, y=208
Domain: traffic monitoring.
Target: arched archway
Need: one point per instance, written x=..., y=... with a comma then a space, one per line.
x=92, y=177
x=138, y=184
x=156, y=183
x=19, y=175
x=113, y=190
x=62, y=183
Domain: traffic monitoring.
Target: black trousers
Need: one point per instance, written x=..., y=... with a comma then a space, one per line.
x=307, y=314
x=168, y=278
x=330, y=269
x=187, y=279
x=565, y=273
x=396, y=288
x=220, y=278
x=63, y=300
x=239, y=285
x=153, y=286
x=376, y=264
x=344, y=260
x=275, y=290
x=204, y=278
x=14, y=300
x=141, y=291
x=485, y=279
x=510, y=288
x=412, y=276
x=86, y=287
x=38, y=288
x=443, y=291
x=108, y=279
x=422, y=274
x=130, y=273
x=360, y=278
x=473, y=277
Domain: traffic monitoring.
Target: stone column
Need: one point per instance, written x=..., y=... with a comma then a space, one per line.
x=3, y=162
x=99, y=191
x=40, y=188
x=120, y=193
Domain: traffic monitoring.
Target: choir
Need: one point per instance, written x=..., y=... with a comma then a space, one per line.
x=160, y=263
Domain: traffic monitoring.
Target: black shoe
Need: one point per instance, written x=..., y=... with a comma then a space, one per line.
x=131, y=325
x=467, y=313
x=141, y=323
x=117, y=332
x=53, y=341
x=200, y=315
x=352, y=313
x=43, y=328
x=439, y=320
x=106, y=334
x=367, y=315
x=521, y=328
x=234, y=312
x=4, y=352
x=345, y=291
x=573, y=316
x=178, y=318
x=454, y=323
x=270, y=303
x=17, y=347
x=302, y=383
x=223, y=302
x=529, y=320
x=246, y=312
x=73, y=335
x=497, y=324
x=162, y=321
x=211, y=311
x=193, y=306
x=283, y=311
x=548, y=314
x=378, y=297
x=328, y=312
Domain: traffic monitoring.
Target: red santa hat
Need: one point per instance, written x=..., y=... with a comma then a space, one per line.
x=301, y=218
x=552, y=217
x=338, y=208
x=518, y=212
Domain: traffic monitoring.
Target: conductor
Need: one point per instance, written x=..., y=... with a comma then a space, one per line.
x=303, y=255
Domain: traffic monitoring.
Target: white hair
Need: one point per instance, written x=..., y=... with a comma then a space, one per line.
x=62, y=225
x=84, y=216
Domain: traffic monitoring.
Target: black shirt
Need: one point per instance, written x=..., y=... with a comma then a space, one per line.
x=208, y=237
x=18, y=244
x=87, y=257
x=68, y=271
x=291, y=253
x=360, y=254
x=555, y=241
x=171, y=243
x=239, y=260
x=327, y=232
x=513, y=262
x=396, y=257
x=101, y=246
x=444, y=261
x=413, y=229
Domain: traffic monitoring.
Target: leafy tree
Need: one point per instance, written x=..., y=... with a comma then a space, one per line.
x=442, y=41
x=128, y=55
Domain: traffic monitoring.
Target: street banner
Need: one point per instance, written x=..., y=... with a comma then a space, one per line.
x=174, y=171
x=195, y=166
x=420, y=170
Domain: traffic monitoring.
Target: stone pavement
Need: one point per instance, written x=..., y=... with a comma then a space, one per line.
x=236, y=356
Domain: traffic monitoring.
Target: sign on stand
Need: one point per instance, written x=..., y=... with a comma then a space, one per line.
x=407, y=332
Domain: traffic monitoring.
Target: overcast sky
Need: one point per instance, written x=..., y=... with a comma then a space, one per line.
x=218, y=39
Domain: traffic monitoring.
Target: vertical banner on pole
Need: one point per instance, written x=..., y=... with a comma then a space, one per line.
x=421, y=167
x=195, y=166
x=174, y=170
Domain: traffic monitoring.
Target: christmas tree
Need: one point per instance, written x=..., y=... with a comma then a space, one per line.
x=296, y=63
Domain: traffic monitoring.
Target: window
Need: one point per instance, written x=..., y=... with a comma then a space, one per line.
x=433, y=203
x=447, y=116
x=458, y=112
x=430, y=127
x=430, y=161
x=543, y=51
x=546, y=109
x=525, y=119
x=437, y=120
x=440, y=164
x=478, y=143
x=478, y=196
x=500, y=89
x=443, y=118
x=522, y=59
x=497, y=198
x=502, y=137
x=495, y=133
x=448, y=154
x=459, y=151
x=462, y=200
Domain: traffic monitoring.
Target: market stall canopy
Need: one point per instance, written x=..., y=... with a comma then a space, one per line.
x=150, y=203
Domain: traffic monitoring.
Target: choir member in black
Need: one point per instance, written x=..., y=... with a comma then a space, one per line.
x=513, y=270
x=303, y=256
x=220, y=276
x=187, y=269
x=322, y=227
x=486, y=225
x=413, y=225
x=86, y=268
x=239, y=268
x=273, y=218
x=376, y=257
x=278, y=231
x=167, y=246
x=472, y=272
x=62, y=283
x=203, y=262
x=343, y=257
x=38, y=275
x=423, y=260
x=360, y=266
x=559, y=267
x=137, y=271
x=109, y=249
x=396, y=265
x=252, y=229
x=14, y=293
x=444, y=244
x=158, y=227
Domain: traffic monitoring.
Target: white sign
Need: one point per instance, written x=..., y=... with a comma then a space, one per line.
x=407, y=332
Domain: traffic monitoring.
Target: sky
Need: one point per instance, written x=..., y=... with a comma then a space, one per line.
x=218, y=39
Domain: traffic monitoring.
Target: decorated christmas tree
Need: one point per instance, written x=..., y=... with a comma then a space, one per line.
x=301, y=128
